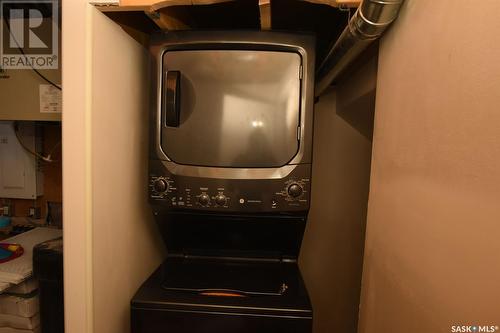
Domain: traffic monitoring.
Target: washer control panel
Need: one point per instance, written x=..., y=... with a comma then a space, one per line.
x=291, y=193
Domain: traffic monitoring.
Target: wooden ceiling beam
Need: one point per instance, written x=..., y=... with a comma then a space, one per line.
x=155, y=4
x=168, y=14
x=337, y=3
x=265, y=14
x=174, y=15
x=170, y=18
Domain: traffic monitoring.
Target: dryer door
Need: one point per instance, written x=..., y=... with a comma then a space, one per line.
x=230, y=108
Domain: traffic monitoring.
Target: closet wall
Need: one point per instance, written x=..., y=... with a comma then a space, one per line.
x=332, y=252
x=431, y=254
x=113, y=243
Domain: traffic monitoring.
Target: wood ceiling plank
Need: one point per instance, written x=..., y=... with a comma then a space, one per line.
x=155, y=4
x=170, y=18
x=337, y=3
x=181, y=14
x=209, y=2
x=112, y=8
x=265, y=14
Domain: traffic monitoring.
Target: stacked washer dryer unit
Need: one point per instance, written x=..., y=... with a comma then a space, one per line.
x=230, y=182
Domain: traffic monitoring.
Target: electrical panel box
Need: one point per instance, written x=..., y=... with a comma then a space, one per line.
x=20, y=175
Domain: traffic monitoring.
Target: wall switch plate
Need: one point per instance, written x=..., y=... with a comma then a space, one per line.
x=34, y=212
x=8, y=210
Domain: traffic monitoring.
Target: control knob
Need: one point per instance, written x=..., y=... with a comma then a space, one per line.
x=220, y=199
x=294, y=190
x=204, y=199
x=160, y=185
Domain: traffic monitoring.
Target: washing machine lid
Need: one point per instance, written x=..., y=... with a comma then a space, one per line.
x=230, y=108
x=159, y=292
x=224, y=278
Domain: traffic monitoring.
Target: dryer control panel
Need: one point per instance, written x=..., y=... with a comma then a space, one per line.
x=288, y=194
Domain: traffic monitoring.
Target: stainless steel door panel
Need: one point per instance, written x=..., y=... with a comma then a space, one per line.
x=238, y=108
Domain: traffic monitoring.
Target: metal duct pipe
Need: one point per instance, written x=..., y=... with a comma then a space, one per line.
x=368, y=23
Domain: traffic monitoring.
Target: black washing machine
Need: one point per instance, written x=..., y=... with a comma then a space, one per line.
x=230, y=181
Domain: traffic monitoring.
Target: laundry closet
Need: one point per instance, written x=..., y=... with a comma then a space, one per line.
x=357, y=239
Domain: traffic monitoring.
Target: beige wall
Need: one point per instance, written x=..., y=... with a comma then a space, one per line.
x=432, y=248
x=76, y=181
x=126, y=243
x=332, y=252
x=113, y=244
